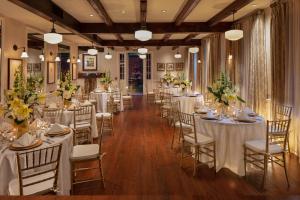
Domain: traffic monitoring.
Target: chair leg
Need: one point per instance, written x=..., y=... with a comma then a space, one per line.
x=72, y=177
x=182, y=151
x=174, y=132
x=285, y=171
x=101, y=173
x=245, y=161
x=265, y=172
x=215, y=163
x=196, y=160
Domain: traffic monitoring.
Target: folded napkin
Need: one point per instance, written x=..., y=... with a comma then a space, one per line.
x=56, y=128
x=25, y=140
x=52, y=105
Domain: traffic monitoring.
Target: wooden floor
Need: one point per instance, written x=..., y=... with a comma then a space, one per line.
x=141, y=165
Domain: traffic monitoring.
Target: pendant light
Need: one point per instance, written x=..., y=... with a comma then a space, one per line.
x=57, y=59
x=142, y=50
x=177, y=55
x=78, y=60
x=234, y=34
x=24, y=54
x=92, y=51
x=53, y=37
x=108, y=56
x=143, y=34
x=42, y=57
x=193, y=49
x=142, y=56
x=68, y=60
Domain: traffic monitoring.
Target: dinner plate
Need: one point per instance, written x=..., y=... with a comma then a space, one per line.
x=17, y=147
x=59, y=133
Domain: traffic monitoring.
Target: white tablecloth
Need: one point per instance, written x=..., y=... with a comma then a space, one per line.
x=9, y=169
x=230, y=137
x=68, y=117
x=102, y=98
x=187, y=103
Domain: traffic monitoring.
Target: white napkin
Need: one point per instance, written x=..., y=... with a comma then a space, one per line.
x=86, y=103
x=56, y=128
x=26, y=139
x=52, y=105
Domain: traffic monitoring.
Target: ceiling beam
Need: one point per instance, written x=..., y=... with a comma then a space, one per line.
x=233, y=7
x=190, y=37
x=151, y=43
x=175, y=47
x=48, y=10
x=156, y=28
x=166, y=37
x=185, y=11
x=143, y=12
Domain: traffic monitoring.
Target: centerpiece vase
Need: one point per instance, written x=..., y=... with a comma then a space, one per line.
x=67, y=103
x=21, y=128
x=105, y=86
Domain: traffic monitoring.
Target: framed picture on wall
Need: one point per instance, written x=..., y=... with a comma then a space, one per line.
x=29, y=67
x=50, y=72
x=170, y=66
x=160, y=67
x=13, y=65
x=74, y=71
x=37, y=67
x=89, y=62
x=179, y=66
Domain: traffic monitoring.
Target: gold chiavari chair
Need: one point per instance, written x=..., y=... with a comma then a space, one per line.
x=158, y=96
x=165, y=108
x=117, y=99
x=86, y=153
x=201, y=144
x=127, y=100
x=150, y=96
x=52, y=115
x=106, y=119
x=82, y=124
x=92, y=99
x=37, y=172
x=260, y=152
x=281, y=112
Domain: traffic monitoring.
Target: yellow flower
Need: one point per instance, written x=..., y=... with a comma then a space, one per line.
x=42, y=98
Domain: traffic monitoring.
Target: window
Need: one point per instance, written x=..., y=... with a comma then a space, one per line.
x=148, y=66
x=122, y=66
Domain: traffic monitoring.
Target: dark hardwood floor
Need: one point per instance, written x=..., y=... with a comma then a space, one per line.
x=141, y=165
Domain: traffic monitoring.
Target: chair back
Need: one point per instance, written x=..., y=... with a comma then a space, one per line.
x=82, y=114
x=175, y=111
x=279, y=129
x=282, y=112
x=166, y=97
x=39, y=166
x=116, y=95
x=188, y=119
x=52, y=115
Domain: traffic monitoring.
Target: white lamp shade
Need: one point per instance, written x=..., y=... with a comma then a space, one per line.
x=234, y=34
x=108, y=56
x=143, y=35
x=177, y=55
x=78, y=60
x=53, y=38
x=92, y=51
x=68, y=60
x=24, y=54
x=199, y=61
x=194, y=50
x=142, y=56
x=57, y=59
x=142, y=50
x=42, y=59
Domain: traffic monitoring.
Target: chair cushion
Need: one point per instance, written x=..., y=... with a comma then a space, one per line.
x=168, y=107
x=81, y=125
x=201, y=139
x=105, y=115
x=127, y=97
x=14, y=188
x=150, y=92
x=177, y=124
x=260, y=146
x=85, y=152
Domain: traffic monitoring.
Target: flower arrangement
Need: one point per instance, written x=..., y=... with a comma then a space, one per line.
x=168, y=78
x=106, y=80
x=66, y=89
x=181, y=81
x=223, y=91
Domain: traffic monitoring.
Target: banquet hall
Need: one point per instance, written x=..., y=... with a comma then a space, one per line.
x=149, y=99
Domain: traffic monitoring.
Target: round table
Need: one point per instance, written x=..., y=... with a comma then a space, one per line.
x=102, y=98
x=187, y=103
x=9, y=169
x=230, y=137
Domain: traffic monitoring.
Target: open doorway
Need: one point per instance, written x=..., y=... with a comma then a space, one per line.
x=135, y=74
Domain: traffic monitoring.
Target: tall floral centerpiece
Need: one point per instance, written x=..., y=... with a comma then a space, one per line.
x=224, y=92
x=20, y=102
x=106, y=80
x=168, y=78
x=182, y=82
x=66, y=89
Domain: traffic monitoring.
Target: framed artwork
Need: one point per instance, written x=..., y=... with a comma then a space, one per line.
x=74, y=71
x=170, y=66
x=29, y=67
x=179, y=66
x=50, y=72
x=37, y=67
x=89, y=62
x=160, y=67
x=13, y=65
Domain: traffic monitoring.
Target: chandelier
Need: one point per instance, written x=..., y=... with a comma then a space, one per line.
x=92, y=51
x=234, y=34
x=142, y=50
x=143, y=34
x=53, y=37
x=177, y=55
x=108, y=56
x=142, y=56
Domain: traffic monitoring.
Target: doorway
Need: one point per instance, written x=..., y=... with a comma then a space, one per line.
x=135, y=74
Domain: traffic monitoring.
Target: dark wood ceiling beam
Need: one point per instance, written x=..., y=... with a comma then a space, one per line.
x=143, y=12
x=175, y=47
x=48, y=10
x=234, y=6
x=190, y=36
x=166, y=37
x=156, y=28
x=151, y=43
x=185, y=11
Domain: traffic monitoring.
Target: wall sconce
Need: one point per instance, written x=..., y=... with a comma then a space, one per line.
x=24, y=53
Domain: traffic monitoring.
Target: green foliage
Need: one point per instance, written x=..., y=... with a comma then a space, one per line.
x=106, y=79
